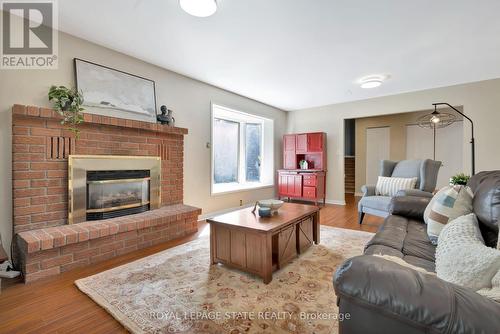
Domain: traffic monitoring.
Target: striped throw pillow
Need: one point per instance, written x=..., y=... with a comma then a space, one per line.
x=389, y=186
x=448, y=204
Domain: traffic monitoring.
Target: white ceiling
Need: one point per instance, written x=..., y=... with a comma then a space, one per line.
x=296, y=54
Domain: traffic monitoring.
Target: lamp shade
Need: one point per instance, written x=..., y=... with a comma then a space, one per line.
x=436, y=120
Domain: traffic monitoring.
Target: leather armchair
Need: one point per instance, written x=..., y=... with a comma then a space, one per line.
x=426, y=172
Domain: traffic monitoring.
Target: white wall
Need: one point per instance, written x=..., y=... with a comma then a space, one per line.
x=190, y=100
x=378, y=148
x=449, y=148
x=480, y=101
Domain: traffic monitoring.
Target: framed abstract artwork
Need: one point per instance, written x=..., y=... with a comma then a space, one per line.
x=110, y=92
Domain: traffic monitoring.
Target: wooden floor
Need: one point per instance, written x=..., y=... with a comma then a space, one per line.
x=55, y=305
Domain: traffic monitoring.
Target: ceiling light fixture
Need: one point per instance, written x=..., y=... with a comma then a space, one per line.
x=372, y=81
x=199, y=8
x=371, y=84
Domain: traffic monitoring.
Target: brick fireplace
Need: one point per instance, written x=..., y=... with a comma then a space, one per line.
x=45, y=243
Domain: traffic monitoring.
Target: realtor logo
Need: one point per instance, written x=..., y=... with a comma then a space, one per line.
x=29, y=35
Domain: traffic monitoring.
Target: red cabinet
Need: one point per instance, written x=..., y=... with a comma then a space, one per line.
x=310, y=180
x=301, y=146
x=304, y=146
x=297, y=186
x=315, y=142
x=309, y=142
x=301, y=185
x=290, y=185
x=298, y=183
x=289, y=157
x=289, y=143
x=309, y=192
x=289, y=160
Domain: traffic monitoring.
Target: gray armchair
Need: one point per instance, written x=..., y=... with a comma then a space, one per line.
x=426, y=172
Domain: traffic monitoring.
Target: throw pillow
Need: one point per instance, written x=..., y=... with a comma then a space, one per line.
x=389, y=186
x=462, y=257
x=449, y=203
x=403, y=263
x=494, y=291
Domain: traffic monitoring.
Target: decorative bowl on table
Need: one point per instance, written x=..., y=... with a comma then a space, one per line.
x=273, y=204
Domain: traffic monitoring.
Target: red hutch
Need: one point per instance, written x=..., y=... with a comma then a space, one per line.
x=305, y=184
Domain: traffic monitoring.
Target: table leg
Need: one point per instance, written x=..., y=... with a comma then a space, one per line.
x=267, y=258
x=212, y=244
x=316, y=229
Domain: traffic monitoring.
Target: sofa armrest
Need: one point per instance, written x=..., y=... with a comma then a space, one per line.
x=414, y=192
x=409, y=206
x=368, y=190
x=414, y=299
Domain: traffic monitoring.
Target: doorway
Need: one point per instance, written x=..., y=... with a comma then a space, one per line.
x=349, y=156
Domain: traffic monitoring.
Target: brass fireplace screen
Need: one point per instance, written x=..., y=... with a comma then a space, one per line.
x=102, y=187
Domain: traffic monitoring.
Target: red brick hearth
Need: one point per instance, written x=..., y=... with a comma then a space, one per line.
x=53, y=250
x=46, y=244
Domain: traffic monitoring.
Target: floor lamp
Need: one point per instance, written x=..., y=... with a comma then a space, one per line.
x=437, y=120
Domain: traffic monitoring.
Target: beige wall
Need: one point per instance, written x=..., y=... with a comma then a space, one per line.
x=480, y=100
x=190, y=100
x=397, y=146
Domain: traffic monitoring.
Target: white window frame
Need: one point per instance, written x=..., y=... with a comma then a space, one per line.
x=267, y=158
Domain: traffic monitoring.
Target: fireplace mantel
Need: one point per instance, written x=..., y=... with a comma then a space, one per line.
x=46, y=113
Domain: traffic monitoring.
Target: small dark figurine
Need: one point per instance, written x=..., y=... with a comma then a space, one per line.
x=166, y=116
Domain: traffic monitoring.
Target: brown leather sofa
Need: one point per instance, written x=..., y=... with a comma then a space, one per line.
x=384, y=297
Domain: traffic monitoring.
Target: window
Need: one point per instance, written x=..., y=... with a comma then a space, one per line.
x=242, y=150
x=253, y=155
x=227, y=145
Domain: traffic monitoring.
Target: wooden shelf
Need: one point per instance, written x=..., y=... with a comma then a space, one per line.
x=33, y=111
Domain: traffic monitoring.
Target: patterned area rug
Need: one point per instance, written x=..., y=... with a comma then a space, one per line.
x=177, y=291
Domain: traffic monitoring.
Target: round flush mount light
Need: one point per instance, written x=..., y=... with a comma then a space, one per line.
x=371, y=84
x=372, y=81
x=199, y=8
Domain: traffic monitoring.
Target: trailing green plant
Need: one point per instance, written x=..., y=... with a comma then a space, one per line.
x=68, y=103
x=459, y=179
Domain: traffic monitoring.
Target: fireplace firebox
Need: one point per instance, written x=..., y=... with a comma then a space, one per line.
x=117, y=193
x=102, y=187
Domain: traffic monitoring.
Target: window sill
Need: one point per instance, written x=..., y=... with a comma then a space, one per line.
x=227, y=188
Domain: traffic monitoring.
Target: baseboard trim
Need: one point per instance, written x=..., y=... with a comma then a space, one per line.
x=221, y=212
x=334, y=201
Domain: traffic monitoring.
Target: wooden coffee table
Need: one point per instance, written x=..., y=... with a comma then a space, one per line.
x=243, y=240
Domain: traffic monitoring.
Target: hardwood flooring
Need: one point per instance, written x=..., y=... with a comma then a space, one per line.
x=55, y=305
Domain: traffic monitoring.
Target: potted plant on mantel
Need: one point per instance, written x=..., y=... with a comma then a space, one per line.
x=68, y=103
